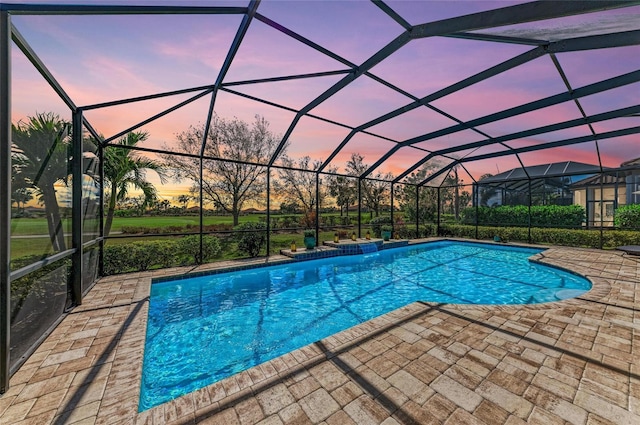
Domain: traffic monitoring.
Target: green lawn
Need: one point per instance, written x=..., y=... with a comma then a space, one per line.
x=41, y=246
x=38, y=226
x=31, y=246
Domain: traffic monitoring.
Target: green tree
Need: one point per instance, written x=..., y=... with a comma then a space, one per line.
x=41, y=151
x=427, y=200
x=251, y=237
x=184, y=200
x=20, y=195
x=451, y=196
x=124, y=170
x=343, y=189
x=486, y=192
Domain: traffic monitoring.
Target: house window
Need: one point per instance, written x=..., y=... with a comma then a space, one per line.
x=608, y=210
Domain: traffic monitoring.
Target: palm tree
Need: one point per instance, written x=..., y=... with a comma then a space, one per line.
x=123, y=170
x=41, y=152
x=184, y=200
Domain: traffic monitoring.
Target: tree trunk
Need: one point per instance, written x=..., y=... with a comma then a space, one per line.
x=457, y=196
x=54, y=222
x=235, y=212
x=110, y=210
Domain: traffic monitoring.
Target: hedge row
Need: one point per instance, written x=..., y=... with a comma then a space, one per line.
x=628, y=216
x=547, y=236
x=303, y=220
x=564, y=216
x=140, y=256
x=144, y=230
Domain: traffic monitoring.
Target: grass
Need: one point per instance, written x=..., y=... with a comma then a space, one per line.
x=31, y=246
x=41, y=246
x=38, y=226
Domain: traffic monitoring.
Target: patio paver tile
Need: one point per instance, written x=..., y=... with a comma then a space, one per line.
x=572, y=361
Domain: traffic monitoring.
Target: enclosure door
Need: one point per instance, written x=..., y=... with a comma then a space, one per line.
x=596, y=208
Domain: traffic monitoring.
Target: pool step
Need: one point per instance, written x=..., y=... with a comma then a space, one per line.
x=311, y=254
x=344, y=247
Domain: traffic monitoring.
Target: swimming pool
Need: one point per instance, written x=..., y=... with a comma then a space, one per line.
x=203, y=329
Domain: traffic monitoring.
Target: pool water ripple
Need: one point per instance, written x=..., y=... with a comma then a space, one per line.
x=201, y=330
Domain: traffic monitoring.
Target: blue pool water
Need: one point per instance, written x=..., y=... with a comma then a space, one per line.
x=201, y=330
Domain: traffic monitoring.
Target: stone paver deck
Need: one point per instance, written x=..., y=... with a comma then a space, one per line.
x=575, y=361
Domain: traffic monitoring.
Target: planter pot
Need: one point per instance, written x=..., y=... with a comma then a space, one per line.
x=496, y=238
x=386, y=235
x=309, y=242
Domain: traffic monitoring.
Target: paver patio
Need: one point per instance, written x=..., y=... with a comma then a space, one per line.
x=574, y=361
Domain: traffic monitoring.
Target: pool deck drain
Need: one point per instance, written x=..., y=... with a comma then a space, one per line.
x=574, y=361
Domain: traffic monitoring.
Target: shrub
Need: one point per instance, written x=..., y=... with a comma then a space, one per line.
x=309, y=233
x=377, y=224
x=287, y=222
x=150, y=254
x=628, y=217
x=220, y=227
x=405, y=232
x=588, y=238
x=251, y=238
x=190, y=246
x=308, y=219
x=139, y=230
x=116, y=259
x=427, y=230
x=345, y=220
x=139, y=256
x=568, y=216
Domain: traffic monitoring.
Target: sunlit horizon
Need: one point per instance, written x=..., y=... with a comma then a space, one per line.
x=111, y=57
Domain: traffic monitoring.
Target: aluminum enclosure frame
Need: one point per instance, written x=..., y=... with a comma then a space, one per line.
x=460, y=27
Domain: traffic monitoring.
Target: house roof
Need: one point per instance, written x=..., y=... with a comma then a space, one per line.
x=631, y=162
x=605, y=179
x=555, y=169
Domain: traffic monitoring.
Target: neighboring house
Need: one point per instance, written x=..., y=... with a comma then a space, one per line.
x=550, y=184
x=602, y=194
x=566, y=183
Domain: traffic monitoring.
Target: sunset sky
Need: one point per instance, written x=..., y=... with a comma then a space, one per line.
x=104, y=58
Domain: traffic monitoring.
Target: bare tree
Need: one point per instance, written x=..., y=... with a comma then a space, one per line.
x=376, y=190
x=299, y=187
x=232, y=170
